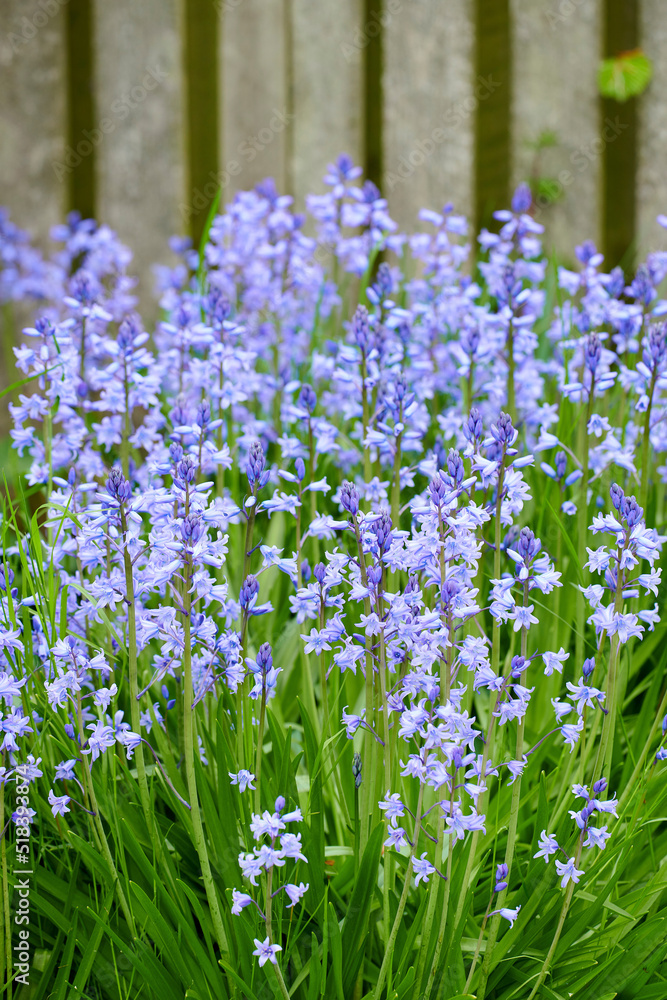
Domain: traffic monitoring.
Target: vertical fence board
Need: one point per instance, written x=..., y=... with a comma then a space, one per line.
x=619, y=167
x=201, y=43
x=557, y=49
x=652, y=172
x=327, y=48
x=429, y=106
x=32, y=114
x=493, y=77
x=139, y=117
x=255, y=103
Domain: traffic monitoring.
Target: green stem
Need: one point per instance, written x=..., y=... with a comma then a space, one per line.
x=606, y=744
x=125, y=440
x=5, y=941
x=445, y=683
x=190, y=739
x=103, y=845
x=258, y=759
x=495, y=636
x=645, y=447
x=368, y=786
x=478, y=947
x=365, y=418
x=511, y=402
x=135, y=713
x=511, y=840
x=445, y=905
x=569, y=892
x=396, y=486
x=248, y=543
x=582, y=529
x=389, y=947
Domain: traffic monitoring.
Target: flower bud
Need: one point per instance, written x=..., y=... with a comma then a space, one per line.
x=249, y=591
x=349, y=498
x=118, y=486
x=588, y=667
x=307, y=398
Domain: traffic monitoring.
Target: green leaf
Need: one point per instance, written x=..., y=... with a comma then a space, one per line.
x=61, y=988
x=356, y=918
x=548, y=189
x=315, y=975
x=336, y=953
x=315, y=852
x=625, y=76
x=164, y=937
x=91, y=949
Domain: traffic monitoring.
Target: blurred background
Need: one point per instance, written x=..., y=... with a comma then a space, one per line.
x=137, y=111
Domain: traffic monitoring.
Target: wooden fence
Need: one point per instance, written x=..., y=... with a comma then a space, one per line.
x=136, y=110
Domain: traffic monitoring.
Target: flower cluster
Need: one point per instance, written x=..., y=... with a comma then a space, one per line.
x=345, y=486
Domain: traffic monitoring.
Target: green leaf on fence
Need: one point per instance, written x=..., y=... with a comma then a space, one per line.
x=626, y=75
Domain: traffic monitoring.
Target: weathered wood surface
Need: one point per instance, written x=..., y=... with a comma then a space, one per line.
x=286, y=91
x=255, y=126
x=430, y=97
x=556, y=52
x=652, y=167
x=327, y=43
x=140, y=128
x=33, y=127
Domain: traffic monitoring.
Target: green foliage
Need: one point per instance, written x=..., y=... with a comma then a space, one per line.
x=624, y=76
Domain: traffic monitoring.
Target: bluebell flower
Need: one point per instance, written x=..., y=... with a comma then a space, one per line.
x=548, y=845
x=266, y=952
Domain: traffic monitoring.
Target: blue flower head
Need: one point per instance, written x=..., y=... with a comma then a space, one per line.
x=307, y=398
x=118, y=487
x=258, y=475
x=249, y=591
x=474, y=428
x=361, y=329
x=592, y=352
x=521, y=199
x=349, y=498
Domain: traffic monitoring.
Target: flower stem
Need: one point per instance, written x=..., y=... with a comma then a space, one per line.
x=646, y=440
x=135, y=714
x=5, y=935
x=258, y=759
x=190, y=737
x=511, y=839
x=582, y=527
x=569, y=893
x=389, y=947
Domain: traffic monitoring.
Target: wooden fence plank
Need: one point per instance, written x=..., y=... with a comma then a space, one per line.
x=652, y=175
x=255, y=102
x=557, y=48
x=201, y=45
x=493, y=77
x=430, y=97
x=140, y=120
x=328, y=41
x=33, y=126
